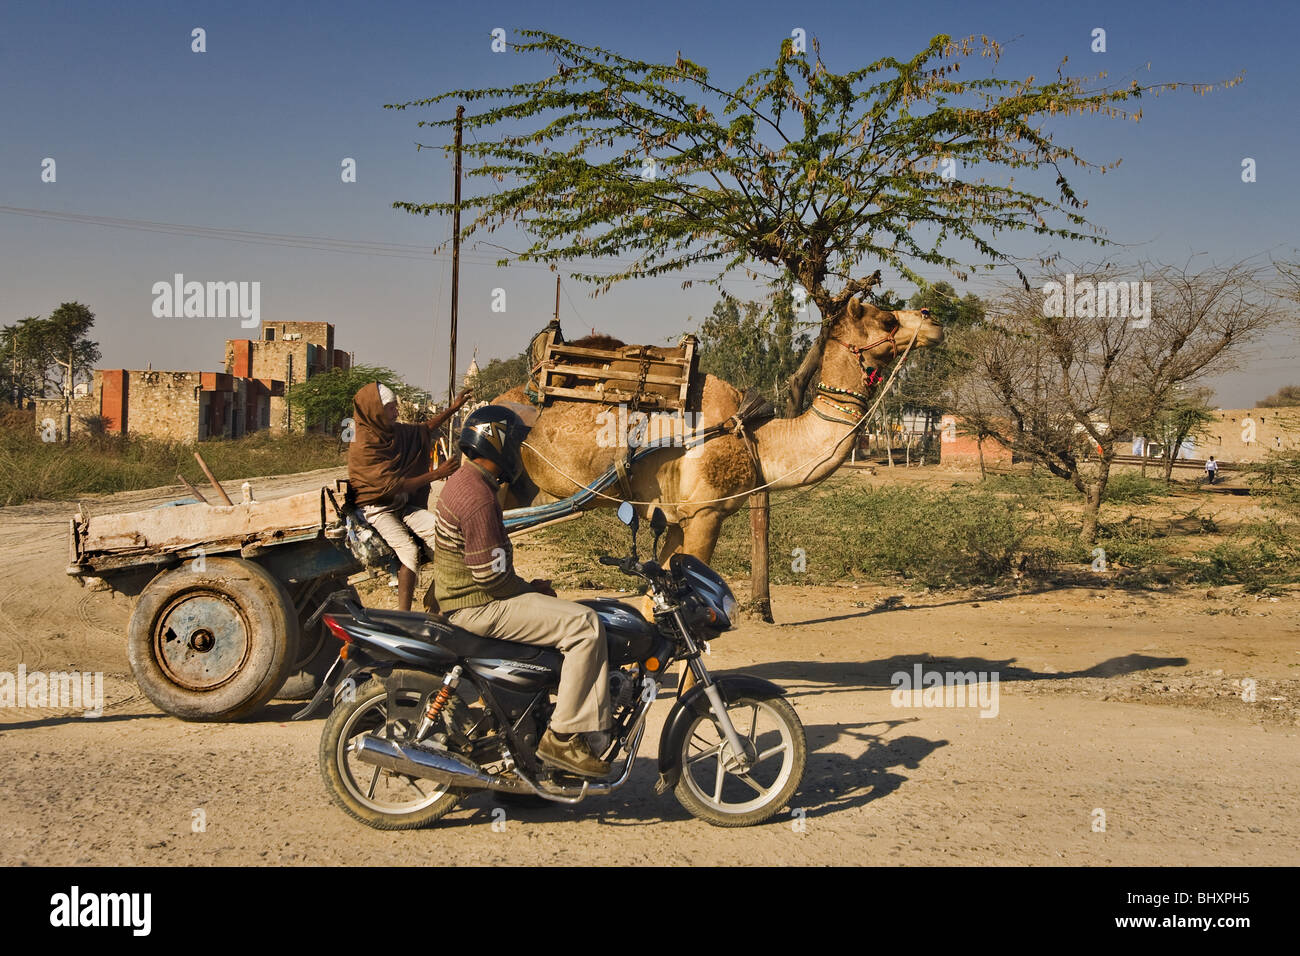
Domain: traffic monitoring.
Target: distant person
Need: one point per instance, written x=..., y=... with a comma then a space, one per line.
x=389, y=470
x=1211, y=469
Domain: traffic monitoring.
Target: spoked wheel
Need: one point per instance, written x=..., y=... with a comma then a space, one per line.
x=712, y=785
x=379, y=798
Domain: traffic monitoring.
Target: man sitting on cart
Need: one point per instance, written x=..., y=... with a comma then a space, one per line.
x=389, y=471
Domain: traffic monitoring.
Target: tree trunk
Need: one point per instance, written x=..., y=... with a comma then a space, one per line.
x=800, y=381
x=1092, y=503
x=758, y=534
x=979, y=443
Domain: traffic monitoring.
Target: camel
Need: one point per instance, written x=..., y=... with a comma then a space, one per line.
x=699, y=488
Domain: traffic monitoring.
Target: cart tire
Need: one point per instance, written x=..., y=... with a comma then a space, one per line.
x=317, y=651
x=213, y=644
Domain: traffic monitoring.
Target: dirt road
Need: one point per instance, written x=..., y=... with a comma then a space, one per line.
x=1120, y=736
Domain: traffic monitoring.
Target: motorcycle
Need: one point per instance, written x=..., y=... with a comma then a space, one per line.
x=426, y=713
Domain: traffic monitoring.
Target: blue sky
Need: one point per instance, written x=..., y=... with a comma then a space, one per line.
x=250, y=135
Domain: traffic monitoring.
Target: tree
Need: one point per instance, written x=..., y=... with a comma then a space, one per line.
x=1062, y=389
x=44, y=355
x=1285, y=396
x=64, y=340
x=499, y=376
x=753, y=345
x=327, y=397
x=799, y=169
x=1185, y=416
x=25, y=363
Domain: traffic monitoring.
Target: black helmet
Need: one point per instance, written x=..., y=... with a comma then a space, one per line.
x=495, y=432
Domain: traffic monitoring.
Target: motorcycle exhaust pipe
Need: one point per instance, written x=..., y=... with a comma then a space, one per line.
x=430, y=765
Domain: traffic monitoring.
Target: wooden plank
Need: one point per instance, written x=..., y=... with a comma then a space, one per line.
x=577, y=371
x=181, y=526
x=613, y=355
x=591, y=395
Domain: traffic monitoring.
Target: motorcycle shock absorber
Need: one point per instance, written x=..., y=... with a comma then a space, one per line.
x=439, y=702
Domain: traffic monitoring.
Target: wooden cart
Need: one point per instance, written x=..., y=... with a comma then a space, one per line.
x=223, y=593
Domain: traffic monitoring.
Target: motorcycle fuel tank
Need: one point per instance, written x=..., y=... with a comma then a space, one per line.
x=629, y=635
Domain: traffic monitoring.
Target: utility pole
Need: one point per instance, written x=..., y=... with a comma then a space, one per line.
x=557, y=298
x=455, y=277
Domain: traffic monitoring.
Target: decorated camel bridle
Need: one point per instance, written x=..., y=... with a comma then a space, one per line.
x=871, y=377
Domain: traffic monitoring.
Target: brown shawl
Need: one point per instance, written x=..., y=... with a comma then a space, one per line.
x=382, y=456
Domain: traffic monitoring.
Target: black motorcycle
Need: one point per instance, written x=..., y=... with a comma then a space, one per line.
x=425, y=712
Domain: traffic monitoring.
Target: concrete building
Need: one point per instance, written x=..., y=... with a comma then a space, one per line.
x=175, y=406
x=1249, y=434
x=194, y=406
x=287, y=352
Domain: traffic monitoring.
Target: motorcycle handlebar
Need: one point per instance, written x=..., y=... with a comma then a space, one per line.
x=612, y=561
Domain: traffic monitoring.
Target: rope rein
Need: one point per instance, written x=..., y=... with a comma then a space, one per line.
x=815, y=460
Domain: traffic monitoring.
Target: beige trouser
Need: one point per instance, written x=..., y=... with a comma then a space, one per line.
x=575, y=630
x=396, y=527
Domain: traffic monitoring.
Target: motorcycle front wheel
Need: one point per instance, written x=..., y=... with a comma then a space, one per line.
x=378, y=798
x=711, y=785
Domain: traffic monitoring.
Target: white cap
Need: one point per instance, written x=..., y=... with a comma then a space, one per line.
x=385, y=394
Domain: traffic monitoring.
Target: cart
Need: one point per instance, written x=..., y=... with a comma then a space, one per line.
x=224, y=594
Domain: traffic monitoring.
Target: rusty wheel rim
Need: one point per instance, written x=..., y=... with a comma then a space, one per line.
x=201, y=640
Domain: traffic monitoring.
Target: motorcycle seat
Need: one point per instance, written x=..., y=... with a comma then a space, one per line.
x=437, y=629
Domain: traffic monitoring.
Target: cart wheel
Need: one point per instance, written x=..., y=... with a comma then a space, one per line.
x=214, y=644
x=317, y=651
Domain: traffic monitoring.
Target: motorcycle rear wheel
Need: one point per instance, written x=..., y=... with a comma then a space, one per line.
x=378, y=798
x=710, y=786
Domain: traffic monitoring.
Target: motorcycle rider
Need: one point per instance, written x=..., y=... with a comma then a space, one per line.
x=388, y=470
x=476, y=586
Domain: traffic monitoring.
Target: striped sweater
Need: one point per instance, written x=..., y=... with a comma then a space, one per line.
x=473, y=562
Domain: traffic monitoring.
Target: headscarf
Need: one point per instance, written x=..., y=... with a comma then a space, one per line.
x=381, y=455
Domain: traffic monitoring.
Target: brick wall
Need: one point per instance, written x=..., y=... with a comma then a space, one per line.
x=956, y=448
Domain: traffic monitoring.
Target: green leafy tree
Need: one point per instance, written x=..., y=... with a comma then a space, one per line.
x=799, y=169
x=753, y=344
x=1186, y=415
x=326, y=398
x=25, y=362
x=65, y=340
x=499, y=376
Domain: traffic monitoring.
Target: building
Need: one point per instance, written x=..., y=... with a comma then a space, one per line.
x=176, y=406
x=194, y=406
x=1249, y=434
x=957, y=448
x=287, y=352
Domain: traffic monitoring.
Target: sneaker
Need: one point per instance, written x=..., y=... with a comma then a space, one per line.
x=572, y=755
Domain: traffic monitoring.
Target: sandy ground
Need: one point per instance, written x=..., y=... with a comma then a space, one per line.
x=1111, y=706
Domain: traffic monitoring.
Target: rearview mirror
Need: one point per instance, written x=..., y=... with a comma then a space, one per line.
x=657, y=521
x=627, y=515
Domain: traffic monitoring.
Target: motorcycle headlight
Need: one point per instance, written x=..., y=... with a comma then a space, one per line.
x=729, y=608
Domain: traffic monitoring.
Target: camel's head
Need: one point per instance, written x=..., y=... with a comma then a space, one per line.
x=918, y=322
x=863, y=326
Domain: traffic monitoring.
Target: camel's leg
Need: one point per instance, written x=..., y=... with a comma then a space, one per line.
x=671, y=544
x=700, y=535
